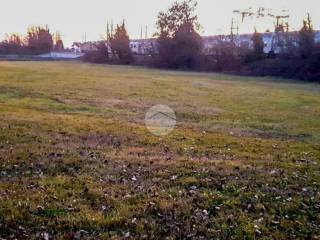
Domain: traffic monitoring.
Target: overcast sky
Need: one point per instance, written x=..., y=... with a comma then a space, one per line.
x=73, y=18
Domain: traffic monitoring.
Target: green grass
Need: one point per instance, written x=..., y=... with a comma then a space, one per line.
x=77, y=161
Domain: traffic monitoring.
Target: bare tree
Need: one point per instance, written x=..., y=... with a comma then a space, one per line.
x=58, y=46
x=306, y=38
x=13, y=44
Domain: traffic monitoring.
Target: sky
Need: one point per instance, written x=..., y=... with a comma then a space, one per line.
x=75, y=19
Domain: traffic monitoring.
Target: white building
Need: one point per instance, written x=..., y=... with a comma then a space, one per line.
x=78, y=47
x=147, y=46
x=143, y=46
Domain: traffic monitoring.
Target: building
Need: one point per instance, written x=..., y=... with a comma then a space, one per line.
x=271, y=40
x=147, y=46
x=61, y=55
x=78, y=47
x=143, y=46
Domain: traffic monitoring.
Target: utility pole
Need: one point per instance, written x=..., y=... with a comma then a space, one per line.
x=231, y=31
x=108, y=36
x=111, y=27
x=232, y=34
x=234, y=28
x=141, y=33
x=146, y=32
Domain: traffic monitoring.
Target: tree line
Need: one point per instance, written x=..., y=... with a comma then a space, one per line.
x=179, y=46
x=38, y=40
x=115, y=48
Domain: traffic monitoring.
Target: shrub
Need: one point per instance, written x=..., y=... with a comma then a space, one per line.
x=97, y=56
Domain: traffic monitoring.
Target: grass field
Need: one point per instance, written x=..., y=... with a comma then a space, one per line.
x=77, y=162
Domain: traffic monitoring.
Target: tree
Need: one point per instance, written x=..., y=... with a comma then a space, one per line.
x=14, y=39
x=120, y=44
x=100, y=55
x=225, y=55
x=188, y=47
x=13, y=44
x=179, y=44
x=177, y=15
x=306, y=39
x=39, y=40
x=258, y=46
x=59, y=46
